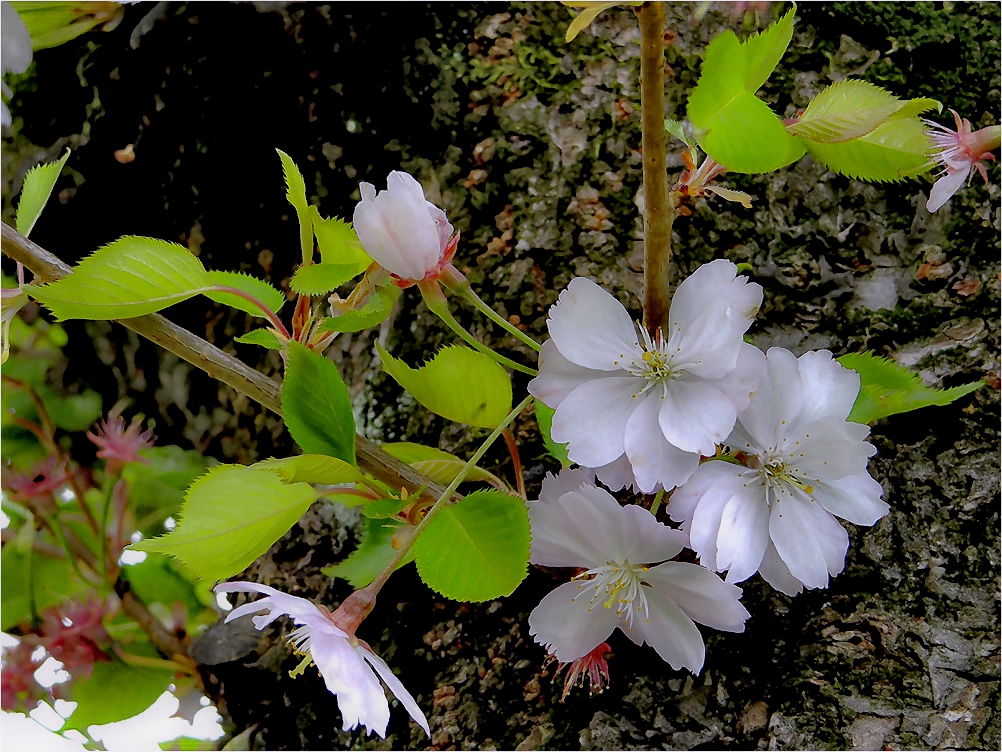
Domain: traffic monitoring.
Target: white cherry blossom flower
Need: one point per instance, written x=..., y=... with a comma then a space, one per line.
x=348, y=665
x=804, y=465
x=576, y=524
x=659, y=402
x=405, y=234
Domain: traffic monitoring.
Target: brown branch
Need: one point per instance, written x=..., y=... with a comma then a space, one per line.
x=219, y=365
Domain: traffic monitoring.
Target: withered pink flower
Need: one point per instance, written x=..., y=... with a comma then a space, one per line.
x=43, y=480
x=120, y=445
x=958, y=153
x=592, y=669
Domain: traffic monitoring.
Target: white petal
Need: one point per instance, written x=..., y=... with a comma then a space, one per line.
x=300, y=610
x=558, y=377
x=855, y=498
x=945, y=187
x=15, y=52
x=712, y=287
x=810, y=541
x=592, y=329
x=744, y=533
x=569, y=628
x=396, y=687
x=832, y=389
x=777, y=574
x=569, y=535
x=748, y=373
x=701, y=594
x=670, y=632
x=738, y=197
x=647, y=541
x=828, y=449
x=555, y=486
x=778, y=398
x=654, y=460
x=695, y=417
x=683, y=501
x=705, y=525
x=360, y=696
x=591, y=420
x=618, y=474
x=709, y=347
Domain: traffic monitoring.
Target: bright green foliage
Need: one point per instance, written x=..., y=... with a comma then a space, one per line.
x=338, y=242
x=231, y=515
x=373, y=554
x=589, y=11
x=674, y=127
x=477, y=549
x=887, y=388
x=312, y=468
x=850, y=109
x=385, y=508
x=51, y=24
x=264, y=337
x=458, y=383
x=296, y=193
x=129, y=277
x=116, y=690
x=316, y=405
x=73, y=412
x=733, y=126
x=440, y=466
x=544, y=416
x=374, y=311
x=51, y=581
x=35, y=194
x=272, y=299
x=156, y=488
x=158, y=580
x=320, y=279
x=893, y=151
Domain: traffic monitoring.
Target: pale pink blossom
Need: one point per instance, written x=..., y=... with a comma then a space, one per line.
x=959, y=153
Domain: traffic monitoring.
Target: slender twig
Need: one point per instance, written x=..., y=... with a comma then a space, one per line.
x=43, y=414
x=463, y=288
x=516, y=461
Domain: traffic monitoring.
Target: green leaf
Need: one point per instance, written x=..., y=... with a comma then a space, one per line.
x=231, y=516
x=458, y=383
x=52, y=579
x=114, y=691
x=272, y=299
x=52, y=24
x=588, y=14
x=845, y=110
x=385, y=508
x=374, y=553
x=156, y=487
x=38, y=184
x=76, y=412
x=312, y=468
x=674, y=127
x=887, y=388
x=338, y=242
x=477, y=549
x=316, y=405
x=320, y=279
x=130, y=277
x=891, y=152
x=440, y=466
x=158, y=580
x=733, y=126
x=914, y=107
x=374, y=311
x=264, y=337
x=544, y=416
x=296, y=194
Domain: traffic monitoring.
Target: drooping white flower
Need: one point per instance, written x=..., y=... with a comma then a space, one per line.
x=660, y=402
x=405, y=234
x=15, y=53
x=348, y=665
x=576, y=524
x=804, y=465
x=959, y=152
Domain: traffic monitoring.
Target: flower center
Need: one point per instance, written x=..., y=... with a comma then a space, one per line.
x=778, y=476
x=619, y=586
x=656, y=365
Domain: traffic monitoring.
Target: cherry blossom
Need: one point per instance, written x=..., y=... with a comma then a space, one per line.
x=959, y=153
x=659, y=401
x=347, y=664
x=119, y=445
x=622, y=585
x=803, y=466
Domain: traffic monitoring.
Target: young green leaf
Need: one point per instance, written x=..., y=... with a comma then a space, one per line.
x=440, y=466
x=893, y=151
x=44, y=579
x=116, y=690
x=674, y=127
x=264, y=337
x=320, y=279
x=477, y=549
x=130, y=277
x=917, y=106
x=159, y=579
x=271, y=298
x=589, y=11
x=312, y=468
x=458, y=383
x=374, y=311
x=847, y=109
x=338, y=242
x=544, y=416
x=316, y=405
x=887, y=388
x=156, y=487
x=231, y=515
x=384, y=508
x=38, y=184
x=296, y=194
x=374, y=552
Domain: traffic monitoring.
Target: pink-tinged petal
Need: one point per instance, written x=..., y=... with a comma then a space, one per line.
x=701, y=594
x=567, y=480
x=557, y=539
x=744, y=532
x=809, y=540
x=396, y=687
x=669, y=631
x=946, y=186
x=828, y=449
x=830, y=387
x=618, y=474
x=655, y=461
x=705, y=525
x=855, y=498
x=739, y=384
x=779, y=398
x=300, y=610
x=683, y=501
x=261, y=621
x=569, y=624
x=596, y=522
x=360, y=696
x=715, y=286
x=695, y=417
x=777, y=574
x=558, y=377
x=592, y=329
x=591, y=420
